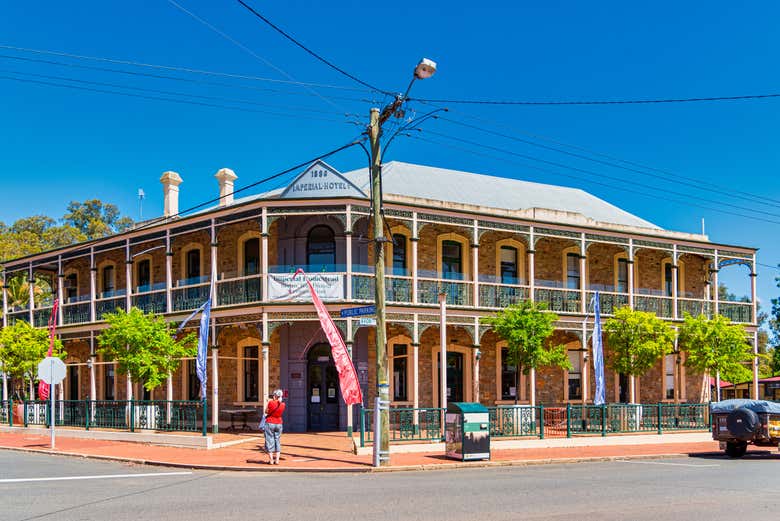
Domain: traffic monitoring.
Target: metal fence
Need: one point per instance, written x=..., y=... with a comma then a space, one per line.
x=129, y=415
x=525, y=421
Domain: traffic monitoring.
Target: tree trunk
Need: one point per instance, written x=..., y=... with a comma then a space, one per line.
x=704, y=395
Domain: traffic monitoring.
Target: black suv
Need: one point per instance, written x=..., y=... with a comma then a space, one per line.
x=735, y=423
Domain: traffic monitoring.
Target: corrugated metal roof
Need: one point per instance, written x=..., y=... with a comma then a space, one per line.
x=442, y=184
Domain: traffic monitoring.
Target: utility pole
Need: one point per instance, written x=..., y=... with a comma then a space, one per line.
x=424, y=69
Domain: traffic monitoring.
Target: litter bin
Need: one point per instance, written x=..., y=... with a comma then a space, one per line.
x=467, y=431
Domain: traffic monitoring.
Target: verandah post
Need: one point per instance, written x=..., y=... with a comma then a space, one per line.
x=86, y=413
x=11, y=412
x=205, y=427
x=541, y=421
x=132, y=415
x=603, y=419
x=660, y=413
x=362, y=426
x=568, y=420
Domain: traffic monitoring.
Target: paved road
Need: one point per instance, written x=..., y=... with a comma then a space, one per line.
x=669, y=489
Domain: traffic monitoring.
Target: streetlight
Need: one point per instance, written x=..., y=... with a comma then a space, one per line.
x=424, y=69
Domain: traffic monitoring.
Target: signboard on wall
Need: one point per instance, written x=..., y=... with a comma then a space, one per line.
x=321, y=180
x=287, y=287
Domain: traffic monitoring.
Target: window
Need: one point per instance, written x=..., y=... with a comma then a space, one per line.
x=669, y=363
x=144, y=275
x=321, y=249
x=400, y=372
x=573, y=271
x=508, y=265
x=399, y=254
x=71, y=285
x=108, y=382
x=622, y=276
x=193, y=383
x=192, y=266
x=667, y=273
x=509, y=378
x=252, y=256
x=575, y=375
x=107, y=281
x=451, y=260
x=251, y=374
x=668, y=280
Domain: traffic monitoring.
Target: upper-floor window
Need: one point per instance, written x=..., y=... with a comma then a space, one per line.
x=451, y=260
x=668, y=280
x=144, y=275
x=252, y=256
x=622, y=275
x=508, y=265
x=399, y=254
x=108, y=276
x=192, y=265
x=573, y=274
x=321, y=248
x=71, y=286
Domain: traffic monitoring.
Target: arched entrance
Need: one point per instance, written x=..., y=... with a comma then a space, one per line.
x=323, y=392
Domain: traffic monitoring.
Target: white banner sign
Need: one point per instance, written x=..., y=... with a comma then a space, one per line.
x=329, y=286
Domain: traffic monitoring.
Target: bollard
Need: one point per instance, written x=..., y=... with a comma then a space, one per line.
x=362, y=426
x=541, y=421
x=568, y=420
x=660, y=416
x=11, y=412
x=603, y=420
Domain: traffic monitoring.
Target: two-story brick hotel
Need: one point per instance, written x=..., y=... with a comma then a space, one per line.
x=485, y=241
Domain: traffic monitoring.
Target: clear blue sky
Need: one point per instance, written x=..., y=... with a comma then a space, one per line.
x=62, y=144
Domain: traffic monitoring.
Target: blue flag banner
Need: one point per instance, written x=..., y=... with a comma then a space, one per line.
x=203, y=344
x=598, y=353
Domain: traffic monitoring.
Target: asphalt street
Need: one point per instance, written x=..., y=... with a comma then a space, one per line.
x=36, y=486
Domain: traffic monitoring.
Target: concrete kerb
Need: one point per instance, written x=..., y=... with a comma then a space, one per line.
x=362, y=470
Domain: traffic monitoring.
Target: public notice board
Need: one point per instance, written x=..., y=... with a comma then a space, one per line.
x=288, y=287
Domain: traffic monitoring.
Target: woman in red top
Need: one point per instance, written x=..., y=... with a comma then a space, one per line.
x=273, y=427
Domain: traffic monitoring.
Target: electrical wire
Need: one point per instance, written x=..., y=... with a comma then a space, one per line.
x=161, y=98
x=600, y=102
x=175, y=78
x=177, y=69
x=309, y=51
x=592, y=182
x=698, y=186
x=601, y=175
x=246, y=49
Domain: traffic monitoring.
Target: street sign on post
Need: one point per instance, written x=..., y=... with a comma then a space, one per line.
x=356, y=312
x=52, y=371
x=367, y=321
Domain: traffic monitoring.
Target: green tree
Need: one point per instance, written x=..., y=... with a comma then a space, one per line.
x=715, y=346
x=22, y=347
x=774, y=361
x=527, y=327
x=96, y=219
x=19, y=291
x=144, y=345
x=636, y=341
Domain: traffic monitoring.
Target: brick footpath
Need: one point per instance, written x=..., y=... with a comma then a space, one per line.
x=329, y=452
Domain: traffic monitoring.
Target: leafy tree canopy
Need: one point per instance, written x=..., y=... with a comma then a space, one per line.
x=144, y=345
x=95, y=219
x=637, y=340
x=716, y=345
x=527, y=327
x=22, y=347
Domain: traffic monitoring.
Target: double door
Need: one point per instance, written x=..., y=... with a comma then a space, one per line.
x=323, y=393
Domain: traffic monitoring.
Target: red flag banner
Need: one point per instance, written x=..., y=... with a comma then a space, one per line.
x=348, y=380
x=43, y=387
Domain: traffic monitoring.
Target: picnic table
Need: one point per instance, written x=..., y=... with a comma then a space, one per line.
x=241, y=414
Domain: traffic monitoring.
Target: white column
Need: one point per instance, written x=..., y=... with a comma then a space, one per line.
x=443, y=350
x=532, y=285
x=715, y=290
x=264, y=257
x=31, y=287
x=92, y=285
x=266, y=348
x=532, y=383
x=583, y=276
x=214, y=265
x=755, y=365
x=349, y=344
x=475, y=263
x=348, y=241
x=585, y=360
x=5, y=386
x=753, y=291
x=414, y=241
x=630, y=269
x=128, y=277
x=214, y=380
x=168, y=273
x=632, y=388
x=675, y=278
x=416, y=368
x=5, y=304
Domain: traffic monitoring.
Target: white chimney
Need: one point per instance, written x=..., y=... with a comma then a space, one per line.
x=226, y=177
x=171, y=181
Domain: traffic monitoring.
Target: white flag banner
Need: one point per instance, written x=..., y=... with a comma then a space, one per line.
x=329, y=286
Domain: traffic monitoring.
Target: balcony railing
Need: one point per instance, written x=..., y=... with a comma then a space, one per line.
x=458, y=292
x=559, y=300
x=76, y=313
x=499, y=296
x=189, y=297
x=150, y=301
x=661, y=306
x=398, y=290
x=694, y=307
x=239, y=290
x=609, y=301
x=737, y=311
x=109, y=305
x=17, y=316
x=41, y=317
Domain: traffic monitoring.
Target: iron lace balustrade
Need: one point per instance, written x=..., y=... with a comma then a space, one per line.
x=76, y=313
x=406, y=424
x=41, y=316
x=559, y=300
x=740, y=312
x=398, y=290
x=239, y=290
x=514, y=421
x=609, y=301
x=104, y=306
x=661, y=306
x=458, y=291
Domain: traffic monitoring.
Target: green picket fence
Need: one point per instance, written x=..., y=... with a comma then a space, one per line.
x=406, y=424
x=130, y=415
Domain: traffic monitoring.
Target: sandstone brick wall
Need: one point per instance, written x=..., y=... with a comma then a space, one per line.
x=548, y=258
x=601, y=263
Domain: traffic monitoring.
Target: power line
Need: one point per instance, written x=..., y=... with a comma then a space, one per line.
x=177, y=69
x=597, y=183
x=697, y=185
x=599, y=102
x=159, y=98
x=605, y=176
x=246, y=49
x=775, y=267
x=174, y=78
x=312, y=53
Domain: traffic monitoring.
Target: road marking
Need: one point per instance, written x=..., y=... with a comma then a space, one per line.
x=103, y=476
x=663, y=463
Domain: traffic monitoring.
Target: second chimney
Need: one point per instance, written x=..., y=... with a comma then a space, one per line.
x=226, y=177
x=171, y=181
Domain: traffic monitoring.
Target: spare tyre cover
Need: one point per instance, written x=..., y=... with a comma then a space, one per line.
x=742, y=423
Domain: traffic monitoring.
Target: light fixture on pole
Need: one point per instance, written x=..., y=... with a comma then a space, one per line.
x=425, y=69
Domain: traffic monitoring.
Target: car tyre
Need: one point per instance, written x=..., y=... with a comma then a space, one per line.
x=736, y=449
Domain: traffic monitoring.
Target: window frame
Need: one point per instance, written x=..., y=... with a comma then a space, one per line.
x=309, y=251
x=571, y=252
x=465, y=255
x=185, y=251
x=241, y=253
x=680, y=278
x=410, y=381
x=522, y=391
x=241, y=360
x=137, y=262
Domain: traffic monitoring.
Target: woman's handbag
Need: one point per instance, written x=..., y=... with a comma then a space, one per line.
x=262, y=423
